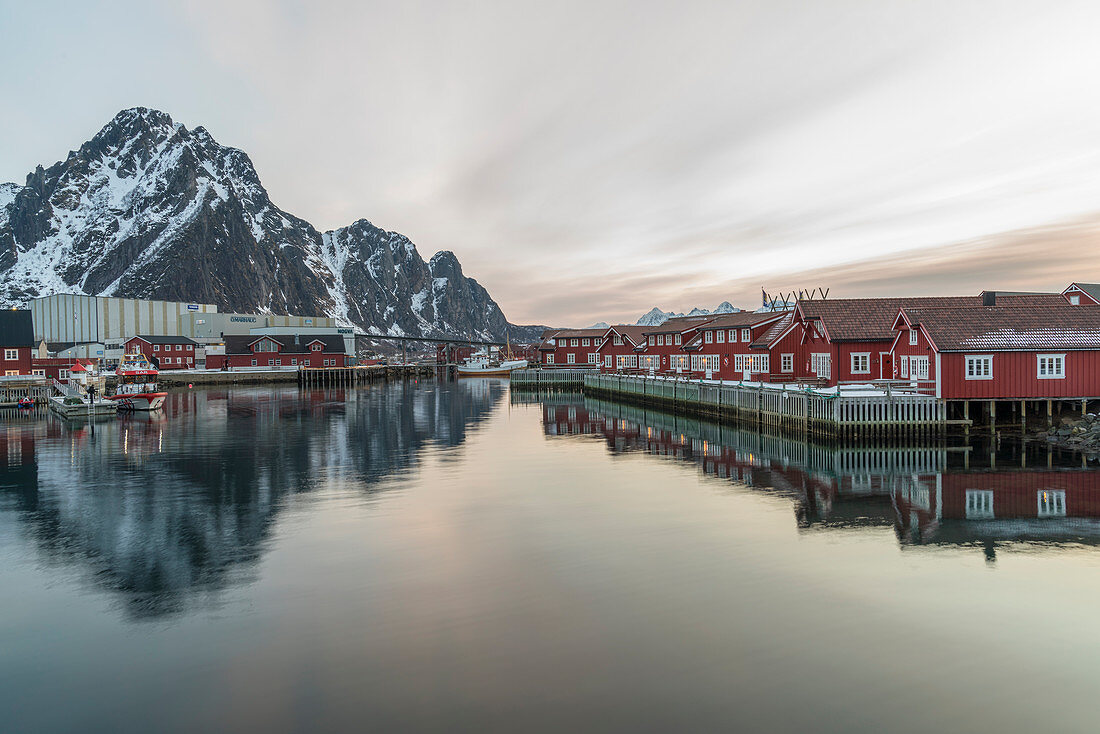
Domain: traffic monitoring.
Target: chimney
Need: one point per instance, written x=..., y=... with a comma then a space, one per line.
x=989, y=298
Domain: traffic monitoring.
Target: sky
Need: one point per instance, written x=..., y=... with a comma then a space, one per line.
x=587, y=161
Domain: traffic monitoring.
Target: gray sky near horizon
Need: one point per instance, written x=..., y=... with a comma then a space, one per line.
x=589, y=160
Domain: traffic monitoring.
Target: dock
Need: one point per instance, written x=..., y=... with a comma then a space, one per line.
x=549, y=379
x=348, y=376
x=860, y=414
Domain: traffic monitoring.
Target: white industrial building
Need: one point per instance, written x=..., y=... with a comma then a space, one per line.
x=79, y=319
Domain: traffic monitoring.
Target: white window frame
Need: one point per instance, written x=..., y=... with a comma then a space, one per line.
x=11, y=355
x=1051, y=502
x=978, y=366
x=1075, y=300
x=856, y=358
x=571, y=358
x=608, y=361
x=678, y=362
x=733, y=335
x=11, y=373
x=821, y=364
x=1050, y=366
x=979, y=504
x=913, y=338
x=720, y=336
x=786, y=362
x=746, y=335
x=593, y=358
x=919, y=367
x=254, y=364
x=660, y=340
x=708, y=337
x=573, y=343
x=618, y=341
x=38, y=372
x=585, y=342
x=677, y=340
x=549, y=359
x=903, y=368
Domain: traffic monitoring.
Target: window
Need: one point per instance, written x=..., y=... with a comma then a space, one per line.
x=720, y=336
x=678, y=362
x=39, y=373
x=316, y=347
x=607, y=360
x=179, y=347
x=913, y=337
x=253, y=363
x=786, y=362
x=549, y=359
x=660, y=340
x=651, y=340
x=979, y=367
x=739, y=363
x=904, y=368
x=626, y=360
x=593, y=358
x=63, y=374
x=156, y=347
x=597, y=342
x=919, y=367
x=677, y=339
x=704, y=363
x=1052, y=366
x=746, y=335
x=979, y=504
x=1075, y=300
x=618, y=340
x=271, y=363
x=571, y=358
x=278, y=363
x=573, y=342
x=708, y=337
x=758, y=363
x=649, y=361
x=733, y=335
x=861, y=363
x=1052, y=502
x=585, y=342
x=822, y=365
x=11, y=354
x=294, y=361
x=10, y=373
x=189, y=360
x=266, y=345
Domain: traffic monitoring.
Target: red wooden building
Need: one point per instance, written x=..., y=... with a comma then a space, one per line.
x=1001, y=352
x=59, y=368
x=666, y=343
x=1082, y=294
x=570, y=347
x=282, y=350
x=722, y=347
x=166, y=352
x=16, y=342
x=621, y=349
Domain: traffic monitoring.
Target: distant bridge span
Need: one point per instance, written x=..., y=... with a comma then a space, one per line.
x=432, y=339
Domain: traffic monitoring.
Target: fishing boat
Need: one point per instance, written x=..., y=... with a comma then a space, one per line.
x=486, y=367
x=137, y=387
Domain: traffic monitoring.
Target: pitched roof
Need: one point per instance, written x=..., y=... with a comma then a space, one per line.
x=872, y=319
x=742, y=319
x=163, y=339
x=16, y=328
x=1092, y=289
x=633, y=332
x=571, y=333
x=776, y=330
x=291, y=343
x=1009, y=328
x=679, y=324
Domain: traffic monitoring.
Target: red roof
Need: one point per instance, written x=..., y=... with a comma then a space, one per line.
x=872, y=319
x=1060, y=327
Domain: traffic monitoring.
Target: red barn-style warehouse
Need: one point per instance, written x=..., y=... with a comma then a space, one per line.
x=1002, y=352
x=16, y=342
x=569, y=347
x=285, y=350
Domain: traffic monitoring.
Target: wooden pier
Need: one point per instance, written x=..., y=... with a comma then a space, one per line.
x=349, y=376
x=13, y=389
x=552, y=379
x=859, y=415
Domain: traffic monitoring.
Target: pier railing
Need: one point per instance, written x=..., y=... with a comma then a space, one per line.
x=864, y=412
x=552, y=379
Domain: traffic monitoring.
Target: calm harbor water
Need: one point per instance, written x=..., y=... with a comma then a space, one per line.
x=432, y=556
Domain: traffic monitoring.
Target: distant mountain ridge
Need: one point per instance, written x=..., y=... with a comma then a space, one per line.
x=655, y=316
x=150, y=209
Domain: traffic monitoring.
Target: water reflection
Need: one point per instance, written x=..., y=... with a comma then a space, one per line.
x=983, y=494
x=169, y=509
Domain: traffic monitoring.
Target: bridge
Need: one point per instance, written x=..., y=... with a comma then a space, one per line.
x=431, y=339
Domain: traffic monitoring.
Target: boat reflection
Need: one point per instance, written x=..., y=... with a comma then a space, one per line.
x=985, y=494
x=170, y=509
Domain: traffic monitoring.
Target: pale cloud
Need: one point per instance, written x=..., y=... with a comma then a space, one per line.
x=588, y=160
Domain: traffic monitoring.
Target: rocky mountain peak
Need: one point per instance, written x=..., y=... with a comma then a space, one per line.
x=149, y=209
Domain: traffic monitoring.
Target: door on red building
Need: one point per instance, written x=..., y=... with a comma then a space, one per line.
x=886, y=365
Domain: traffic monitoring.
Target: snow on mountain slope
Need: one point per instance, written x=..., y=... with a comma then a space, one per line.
x=656, y=316
x=150, y=209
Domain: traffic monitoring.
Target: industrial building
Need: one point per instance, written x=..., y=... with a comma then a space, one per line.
x=77, y=319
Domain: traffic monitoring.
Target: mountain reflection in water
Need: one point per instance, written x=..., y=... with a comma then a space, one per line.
x=166, y=511
x=983, y=493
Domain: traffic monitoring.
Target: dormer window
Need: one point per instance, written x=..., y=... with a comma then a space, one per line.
x=1075, y=300
x=316, y=347
x=266, y=345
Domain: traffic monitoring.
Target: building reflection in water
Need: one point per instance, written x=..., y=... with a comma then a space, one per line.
x=170, y=509
x=981, y=494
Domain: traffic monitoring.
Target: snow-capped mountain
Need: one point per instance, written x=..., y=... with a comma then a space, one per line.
x=656, y=316
x=150, y=209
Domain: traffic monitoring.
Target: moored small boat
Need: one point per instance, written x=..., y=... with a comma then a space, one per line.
x=488, y=368
x=137, y=387
x=77, y=406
